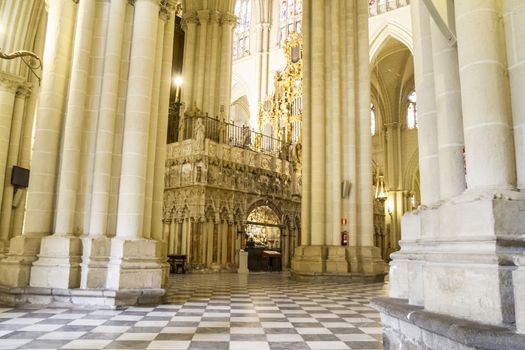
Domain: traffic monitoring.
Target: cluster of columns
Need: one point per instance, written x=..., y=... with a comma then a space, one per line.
x=207, y=61
x=97, y=168
x=336, y=142
x=470, y=129
x=18, y=94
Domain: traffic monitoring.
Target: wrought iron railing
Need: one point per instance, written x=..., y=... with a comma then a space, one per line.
x=233, y=135
x=377, y=7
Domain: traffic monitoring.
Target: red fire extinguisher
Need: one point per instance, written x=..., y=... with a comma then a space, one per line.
x=344, y=238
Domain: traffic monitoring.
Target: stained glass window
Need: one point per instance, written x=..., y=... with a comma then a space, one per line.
x=290, y=16
x=412, y=111
x=241, y=37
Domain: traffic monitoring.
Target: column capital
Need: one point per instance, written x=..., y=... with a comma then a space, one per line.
x=189, y=17
x=10, y=82
x=228, y=19
x=204, y=16
x=164, y=13
x=215, y=16
x=24, y=90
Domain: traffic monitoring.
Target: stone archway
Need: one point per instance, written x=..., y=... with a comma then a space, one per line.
x=264, y=234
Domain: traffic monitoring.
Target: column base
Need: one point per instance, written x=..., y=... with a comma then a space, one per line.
x=407, y=326
x=309, y=260
x=367, y=261
x=135, y=264
x=58, y=264
x=99, y=298
x=95, y=260
x=164, y=263
x=334, y=261
x=15, y=268
x=518, y=279
x=462, y=262
x=4, y=249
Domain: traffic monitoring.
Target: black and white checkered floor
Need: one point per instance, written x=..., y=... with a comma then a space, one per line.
x=217, y=311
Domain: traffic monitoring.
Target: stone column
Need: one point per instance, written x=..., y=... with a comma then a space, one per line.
x=211, y=69
x=426, y=105
x=58, y=263
x=485, y=97
x=11, y=159
x=514, y=20
x=153, y=127
x=162, y=126
x=228, y=22
x=189, y=20
x=336, y=141
x=134, y=262
x=96, y=244
x=8, y=86
x=200, y=58
x=449, y=115
x=262, y=42
x=15, y=270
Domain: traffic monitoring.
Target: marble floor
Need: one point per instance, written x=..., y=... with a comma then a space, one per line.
x=212, y=311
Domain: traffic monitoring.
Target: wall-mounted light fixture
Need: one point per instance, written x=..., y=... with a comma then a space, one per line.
x=381, y=193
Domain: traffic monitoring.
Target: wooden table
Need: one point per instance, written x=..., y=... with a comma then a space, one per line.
x=271, y=255
x=177, y=262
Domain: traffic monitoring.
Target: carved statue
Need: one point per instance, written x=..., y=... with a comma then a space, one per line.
x=199, y=133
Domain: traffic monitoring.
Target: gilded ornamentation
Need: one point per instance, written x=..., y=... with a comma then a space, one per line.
x=281, y=113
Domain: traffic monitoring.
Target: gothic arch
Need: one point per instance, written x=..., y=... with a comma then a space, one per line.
x=240, y=111
x=411, y=169
x=268, y=203
x=390, y=30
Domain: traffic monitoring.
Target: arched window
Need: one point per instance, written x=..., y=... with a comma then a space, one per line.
x=290, y=17
x=412, y=111
x=372, y=119
x=241, y=36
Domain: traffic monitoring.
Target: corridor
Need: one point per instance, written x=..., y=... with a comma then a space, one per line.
x=212, y=311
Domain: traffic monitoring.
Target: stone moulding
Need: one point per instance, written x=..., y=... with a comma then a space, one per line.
x=408, y=325
x=100, y=298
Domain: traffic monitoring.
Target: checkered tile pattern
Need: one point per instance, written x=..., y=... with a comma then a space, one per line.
x=213, y=311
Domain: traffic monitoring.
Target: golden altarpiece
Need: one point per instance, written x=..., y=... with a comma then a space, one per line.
x=228, y=187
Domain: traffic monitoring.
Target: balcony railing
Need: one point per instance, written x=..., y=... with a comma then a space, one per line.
x=377, y=7
x=197, y=128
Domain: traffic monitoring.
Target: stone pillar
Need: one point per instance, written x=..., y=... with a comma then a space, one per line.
x=15, y=270
x=96, y=244
x=426, y=105
x=153, y=128
x=6, y=199
x=449, y=115
x=8, y=86
x=485, y=97
x=211, y=69
x=200, y=58
x=58, y=265
x=189, y=21
x=162, y=126
x=134, y=262
x=336, y=107
x=228, y=22
x=263, y=48
x=514, y=20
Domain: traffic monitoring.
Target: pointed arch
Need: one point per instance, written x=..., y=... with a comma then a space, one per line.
x=390, y=30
